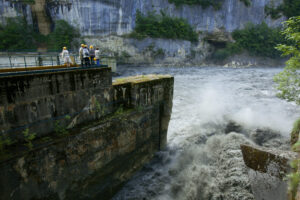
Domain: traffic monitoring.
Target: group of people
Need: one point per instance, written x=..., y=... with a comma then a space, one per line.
x=88, y=56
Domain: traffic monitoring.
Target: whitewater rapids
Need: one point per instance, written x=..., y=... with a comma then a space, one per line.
x=214, y=111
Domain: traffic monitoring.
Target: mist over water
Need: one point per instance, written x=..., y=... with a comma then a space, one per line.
x=203, y=159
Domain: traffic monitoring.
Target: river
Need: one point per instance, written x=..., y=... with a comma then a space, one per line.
x=214, y=111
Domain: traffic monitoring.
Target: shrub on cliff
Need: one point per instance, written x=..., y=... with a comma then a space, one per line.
x=63, y=35
x=216, y=4
x=288, y=8
x=162, y=26
x=289, y=79
x=16, y=34
x=289, y=89
x=257, y=40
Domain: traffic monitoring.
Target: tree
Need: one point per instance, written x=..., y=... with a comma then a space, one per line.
x=17, y=35
x=289, y=80
x=289, y=86
x=63, y=35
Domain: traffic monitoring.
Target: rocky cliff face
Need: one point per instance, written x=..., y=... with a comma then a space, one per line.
x=98, y=19
x=105, y=17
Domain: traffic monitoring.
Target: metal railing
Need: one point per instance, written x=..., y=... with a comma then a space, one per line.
x=35, y=59
x=16, y=60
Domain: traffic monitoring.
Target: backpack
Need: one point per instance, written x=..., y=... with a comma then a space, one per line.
x=86, y=53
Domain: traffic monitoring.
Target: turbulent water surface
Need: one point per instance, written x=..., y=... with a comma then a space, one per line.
x=214, y=111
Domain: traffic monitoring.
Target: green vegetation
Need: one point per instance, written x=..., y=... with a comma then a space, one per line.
x=18, y=35
x=288, y=8
x=216, y=4
x=28, y=137
x=62, y=35
x=289, y=89
x=4, y=142
x=246, y=2
x=120, y=110
x=59, y=129
x=288, y=80
x=258, y=40
x=295, y=132
x=122, y=57
x=230, y=49
x=162, y=26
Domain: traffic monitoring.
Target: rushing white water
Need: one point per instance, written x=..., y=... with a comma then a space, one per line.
x=202, y=159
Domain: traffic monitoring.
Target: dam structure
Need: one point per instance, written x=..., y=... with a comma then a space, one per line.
x=76, y=134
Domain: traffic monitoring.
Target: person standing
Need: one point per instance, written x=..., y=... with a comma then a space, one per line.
x=81, y=54
x=86, y=56
x=92, y=55
x=97, y=57
x=66, y=56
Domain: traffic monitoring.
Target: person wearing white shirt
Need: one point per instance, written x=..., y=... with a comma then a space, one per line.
x=66, y=56
x=97, y=56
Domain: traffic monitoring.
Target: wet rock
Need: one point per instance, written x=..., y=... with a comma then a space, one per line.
x=260, y=136
x=268, y=168
x=272, y=161
x=219, y=36
x=233, y=127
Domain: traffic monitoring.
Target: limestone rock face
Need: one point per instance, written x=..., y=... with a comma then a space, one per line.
x=106, y=17
x=219, y=37
x=267, y=169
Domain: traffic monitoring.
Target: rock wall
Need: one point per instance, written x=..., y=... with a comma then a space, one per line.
x=152, y=51
x=102, y=21
x=106, y=17
x=93, y=160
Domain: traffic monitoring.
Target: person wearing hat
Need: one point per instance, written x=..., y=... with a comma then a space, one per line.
x=92, y=55
x=66, y=56
x=81, y=54
x=86, y=56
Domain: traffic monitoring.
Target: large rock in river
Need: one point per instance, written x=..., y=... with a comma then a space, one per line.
x=267, y=170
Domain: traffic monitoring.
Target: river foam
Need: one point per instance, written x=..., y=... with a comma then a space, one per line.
x=203, y=159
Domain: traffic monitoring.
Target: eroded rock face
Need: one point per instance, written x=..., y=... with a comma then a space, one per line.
x=106, y=17
x=268, y=167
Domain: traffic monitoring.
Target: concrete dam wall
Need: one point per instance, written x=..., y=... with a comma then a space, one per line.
x=90, y=135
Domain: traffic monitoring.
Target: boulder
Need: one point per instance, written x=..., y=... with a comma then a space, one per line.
x=272, y=161
x=260, y=136
x=267, y=171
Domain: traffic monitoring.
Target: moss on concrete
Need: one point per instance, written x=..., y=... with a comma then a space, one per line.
x=140, y=79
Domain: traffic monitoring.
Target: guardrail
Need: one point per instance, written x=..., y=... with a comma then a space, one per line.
x=34, y=59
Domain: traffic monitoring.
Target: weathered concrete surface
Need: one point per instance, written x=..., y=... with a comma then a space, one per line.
x=37, y=101
x=93, y=160
x=150, y=90
x=268, y=168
